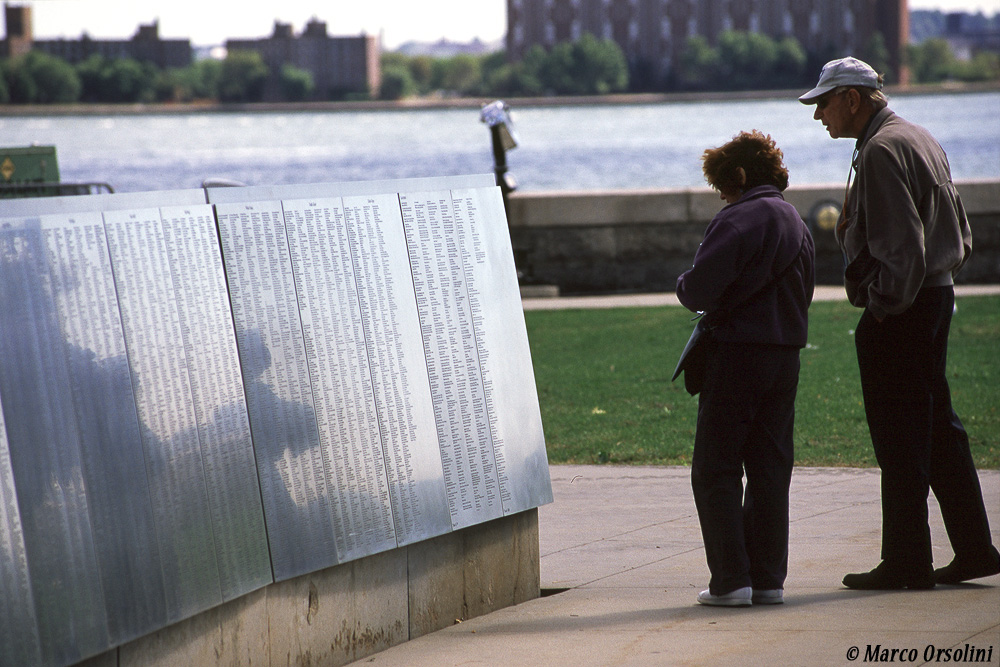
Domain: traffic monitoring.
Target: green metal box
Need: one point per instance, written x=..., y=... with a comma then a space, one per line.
x=30, y=164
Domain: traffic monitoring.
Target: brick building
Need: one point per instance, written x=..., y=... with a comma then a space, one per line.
x=339, y=65
x=17, y=38
x=653, y=34
x=145, y=45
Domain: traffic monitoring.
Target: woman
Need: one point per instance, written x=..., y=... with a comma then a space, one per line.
x=753, y=277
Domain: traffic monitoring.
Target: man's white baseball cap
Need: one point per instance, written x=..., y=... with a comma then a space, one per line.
x=843, y=72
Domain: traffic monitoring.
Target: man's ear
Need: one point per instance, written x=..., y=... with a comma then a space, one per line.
x=853, y=100
x=741, y=176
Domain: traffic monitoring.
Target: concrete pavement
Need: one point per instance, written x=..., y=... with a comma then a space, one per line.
x=622, y=561
x=823, y=293
x=623, y=547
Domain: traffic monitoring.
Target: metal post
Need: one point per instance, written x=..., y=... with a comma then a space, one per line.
x=504, y=138
x=500, y=167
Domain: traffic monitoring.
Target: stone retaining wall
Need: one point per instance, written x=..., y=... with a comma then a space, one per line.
x=641, y=240
x=344, y=613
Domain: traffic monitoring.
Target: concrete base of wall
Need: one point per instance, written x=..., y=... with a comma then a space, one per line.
x=344, y=613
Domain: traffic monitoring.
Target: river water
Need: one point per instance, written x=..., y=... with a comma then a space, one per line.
x=591, y=147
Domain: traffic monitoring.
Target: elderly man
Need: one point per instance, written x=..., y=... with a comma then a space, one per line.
x=905, y=234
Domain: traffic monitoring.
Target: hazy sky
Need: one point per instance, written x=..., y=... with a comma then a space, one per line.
x=210, y=22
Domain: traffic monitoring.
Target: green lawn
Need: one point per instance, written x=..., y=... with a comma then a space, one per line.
x=605, y=393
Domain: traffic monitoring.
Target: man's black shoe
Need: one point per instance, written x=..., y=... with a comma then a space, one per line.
x=884, y=578
x=959, y=570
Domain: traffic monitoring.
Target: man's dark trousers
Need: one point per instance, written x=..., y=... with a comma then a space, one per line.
x=919, y=441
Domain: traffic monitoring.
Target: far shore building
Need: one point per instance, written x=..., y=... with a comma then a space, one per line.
x=18, y=35
x=653, y=34
x=967, y=35
x=146, y=45
x=340, y=66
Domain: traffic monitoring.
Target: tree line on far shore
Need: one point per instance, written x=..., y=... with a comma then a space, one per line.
x=588, y=66
x=40, y=78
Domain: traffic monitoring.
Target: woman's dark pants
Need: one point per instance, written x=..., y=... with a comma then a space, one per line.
x=745, y=417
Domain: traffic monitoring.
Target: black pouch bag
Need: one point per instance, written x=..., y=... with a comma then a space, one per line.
x=694, y=357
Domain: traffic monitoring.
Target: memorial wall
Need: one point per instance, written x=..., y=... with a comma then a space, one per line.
x=204, y=392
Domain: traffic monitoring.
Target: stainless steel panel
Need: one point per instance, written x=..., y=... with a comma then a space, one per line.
x=114, y=469
x=35, y=206
x=290, y=192
x=340, y=376
x=54, y=275
x=504, y=355
x=217, y=398
x=159, y=367
x=438, y=257
x=399, y=373
x=18, y=623
x=293, y=476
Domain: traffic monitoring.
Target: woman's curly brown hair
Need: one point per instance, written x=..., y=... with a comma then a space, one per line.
x=754, y=152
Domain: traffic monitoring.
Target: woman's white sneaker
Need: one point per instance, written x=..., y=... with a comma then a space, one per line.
x=741, y=597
